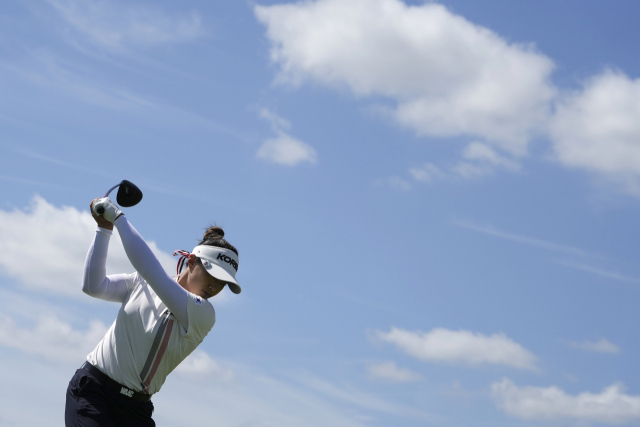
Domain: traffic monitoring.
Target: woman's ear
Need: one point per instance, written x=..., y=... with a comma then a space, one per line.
x=191, y=261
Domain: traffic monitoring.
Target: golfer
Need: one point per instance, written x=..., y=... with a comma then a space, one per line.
x=160, y=322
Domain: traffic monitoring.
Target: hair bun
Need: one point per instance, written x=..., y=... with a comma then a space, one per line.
x=214, y=232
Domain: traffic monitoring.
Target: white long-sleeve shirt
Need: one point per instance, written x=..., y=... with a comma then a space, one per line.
x=159, y=323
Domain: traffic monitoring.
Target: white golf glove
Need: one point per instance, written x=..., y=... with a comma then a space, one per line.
x=109, y=210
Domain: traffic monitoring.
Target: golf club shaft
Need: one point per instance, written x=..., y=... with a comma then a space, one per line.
x=111, y=189
x=100, y=210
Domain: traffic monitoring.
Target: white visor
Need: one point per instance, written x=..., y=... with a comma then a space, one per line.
x=220, y=263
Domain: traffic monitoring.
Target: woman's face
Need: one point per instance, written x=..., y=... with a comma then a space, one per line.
x=199, y=282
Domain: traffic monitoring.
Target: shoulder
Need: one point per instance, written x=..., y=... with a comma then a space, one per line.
x=202, y=317
x=201, y=306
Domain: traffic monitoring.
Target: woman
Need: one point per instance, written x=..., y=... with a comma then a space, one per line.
x=161, y=321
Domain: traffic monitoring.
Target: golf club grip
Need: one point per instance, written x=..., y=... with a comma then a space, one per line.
x=100, y=210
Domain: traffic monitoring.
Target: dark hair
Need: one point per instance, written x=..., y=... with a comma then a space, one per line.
x=214, y=236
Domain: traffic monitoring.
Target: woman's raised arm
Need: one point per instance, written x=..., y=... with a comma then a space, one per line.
x=173, y=295
x=95, y=282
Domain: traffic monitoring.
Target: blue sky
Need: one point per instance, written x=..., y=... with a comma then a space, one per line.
x=435, y=204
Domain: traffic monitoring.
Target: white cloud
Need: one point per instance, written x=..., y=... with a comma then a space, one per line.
x=388, y=371
x=611, y=406
x=116, y=25
x=352, y=395
x=200, y=364
x=463, y=347
x=447, y=76
x=427, y=173
x=284, y=149
x=598, y=128
x=276, y=121
x=480, y=160
x=44, y=247
x=51, y=338
x=601, y=346
x=481, y=152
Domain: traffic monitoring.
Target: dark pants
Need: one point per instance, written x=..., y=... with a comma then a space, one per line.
x=92, y=404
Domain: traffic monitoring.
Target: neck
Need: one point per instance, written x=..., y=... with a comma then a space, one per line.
x=182, y=279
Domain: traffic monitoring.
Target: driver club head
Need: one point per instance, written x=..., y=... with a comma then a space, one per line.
x=128, y=194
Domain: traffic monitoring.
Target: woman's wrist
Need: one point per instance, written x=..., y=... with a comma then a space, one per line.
x=105, y=224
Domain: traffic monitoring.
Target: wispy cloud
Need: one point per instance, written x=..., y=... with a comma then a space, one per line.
x=460, y=347
x=554, y=247
x=31, y=182
x=393, y=182
x=56, y=75
x=389, y=372
x=427, y=173
x=357, y=397
x=478, y=160
x=61, y=78
x=598, y=271
x=611, y=406
x=200, y=365
x=172, y=188
x=600, y=346
x=67, y=165
x=531, y=241
x=284, y=149
x=51, y=338
x=295, y=400
x=118, y=25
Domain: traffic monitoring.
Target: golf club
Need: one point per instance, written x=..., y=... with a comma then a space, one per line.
x=128, y=195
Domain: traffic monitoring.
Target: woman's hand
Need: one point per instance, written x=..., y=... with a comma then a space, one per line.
x=102, y=223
